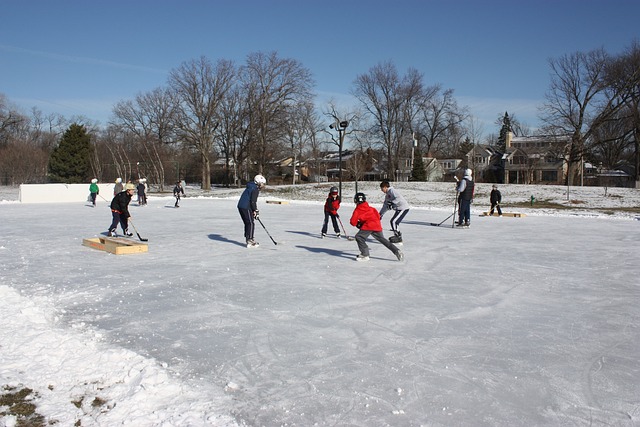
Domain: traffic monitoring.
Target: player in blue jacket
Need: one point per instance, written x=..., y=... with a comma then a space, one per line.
x=248, y=208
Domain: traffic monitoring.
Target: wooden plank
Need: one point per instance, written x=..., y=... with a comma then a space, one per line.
x=116, y=245
x=509, y=214
x=278, y=202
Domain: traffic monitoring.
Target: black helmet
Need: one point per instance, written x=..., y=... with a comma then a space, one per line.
x=333, y=190
x=359, y=198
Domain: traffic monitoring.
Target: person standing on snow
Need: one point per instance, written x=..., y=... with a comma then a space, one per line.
x=119, y=187
x=394, y=200
x=248, y=208
x=367, y=220
x=94, y=190
x=120, y=211
x=465, y=190
x=176, y=193
x=495, y=198
x=142, y=192
x=331, y=206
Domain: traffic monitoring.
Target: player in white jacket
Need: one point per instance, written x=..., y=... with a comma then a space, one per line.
x=394, y=201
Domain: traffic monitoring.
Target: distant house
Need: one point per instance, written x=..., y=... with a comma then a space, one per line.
x=538, y=159
x=433, y=168
x=449, y=168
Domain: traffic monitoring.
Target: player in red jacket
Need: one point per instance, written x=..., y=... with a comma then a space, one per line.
x=367, y=219
x=331, y=206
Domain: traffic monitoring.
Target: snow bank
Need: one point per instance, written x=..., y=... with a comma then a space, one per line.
x=88, y=382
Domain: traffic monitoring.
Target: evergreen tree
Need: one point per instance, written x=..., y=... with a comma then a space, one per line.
x=463, y=150
x=70, y=160
x=506, y=128
x=418, y=172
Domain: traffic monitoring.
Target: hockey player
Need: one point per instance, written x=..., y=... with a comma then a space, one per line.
x=118, y=187
x=177, y=190
x=394, y=200
x=142, y=191
x=248, y=208
x=94, y=190
x=495, y=198
x=331, y=206
x=120, y=211
x=465, y=197
x=367, y=220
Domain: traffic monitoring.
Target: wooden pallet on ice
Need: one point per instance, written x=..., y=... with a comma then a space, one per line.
x=511, y=214
x=116, y=245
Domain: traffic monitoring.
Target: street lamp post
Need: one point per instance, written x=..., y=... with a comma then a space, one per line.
x=341, y=127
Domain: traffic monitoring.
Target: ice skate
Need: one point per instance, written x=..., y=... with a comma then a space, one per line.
x=362, y=258
x=252, y=243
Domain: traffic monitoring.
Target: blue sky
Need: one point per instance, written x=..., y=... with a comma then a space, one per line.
x=82, y=57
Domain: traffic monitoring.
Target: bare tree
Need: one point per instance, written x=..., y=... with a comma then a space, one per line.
x=439, y=113
x=574, y=100
x=623, y=76
x=387, y=97
x=272, y=84
x=301, y=132
x=151, y=118
x=199, y=88
x=233, y=133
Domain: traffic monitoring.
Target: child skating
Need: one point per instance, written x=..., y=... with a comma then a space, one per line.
x=177, y=190
x=94, y=190
x=367, y=220
x=331, y=206
x=495, y=198
x=248, y=208
x=394, y=201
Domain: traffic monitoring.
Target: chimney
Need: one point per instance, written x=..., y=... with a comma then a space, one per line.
x=507, y=142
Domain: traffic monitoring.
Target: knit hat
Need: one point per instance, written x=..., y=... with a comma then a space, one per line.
x=93, y=181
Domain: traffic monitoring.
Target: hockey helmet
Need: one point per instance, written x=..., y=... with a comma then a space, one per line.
x=260, y=180
x=468, y=172
x=333, y=190
x=359, y=198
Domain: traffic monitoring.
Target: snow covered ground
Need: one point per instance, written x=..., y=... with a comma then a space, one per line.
x=515, y=321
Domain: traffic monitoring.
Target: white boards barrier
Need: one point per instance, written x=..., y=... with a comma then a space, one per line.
x=56, y=193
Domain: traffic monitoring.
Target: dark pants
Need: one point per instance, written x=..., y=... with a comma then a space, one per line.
x=464, y=215
x=93, y=198
x=334, y=220
x=361, y=239
x=249, y=223
x=396, y=219
x=494, y=206
x=119, y=219
x=177, y=200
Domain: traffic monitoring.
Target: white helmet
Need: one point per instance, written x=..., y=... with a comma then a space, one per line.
x=260, y=180
x=468, y=172
x=118, y=180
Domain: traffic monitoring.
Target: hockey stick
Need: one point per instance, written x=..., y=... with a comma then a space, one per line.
x=265, y=229
x=350, y=238
x=455, y=204
x=438, y=224
x=136, y=230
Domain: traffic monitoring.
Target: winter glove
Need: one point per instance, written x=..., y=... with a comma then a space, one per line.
x=359, y=225
x=256, y=214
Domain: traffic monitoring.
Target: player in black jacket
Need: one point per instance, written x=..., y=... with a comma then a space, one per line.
x=120, y=211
